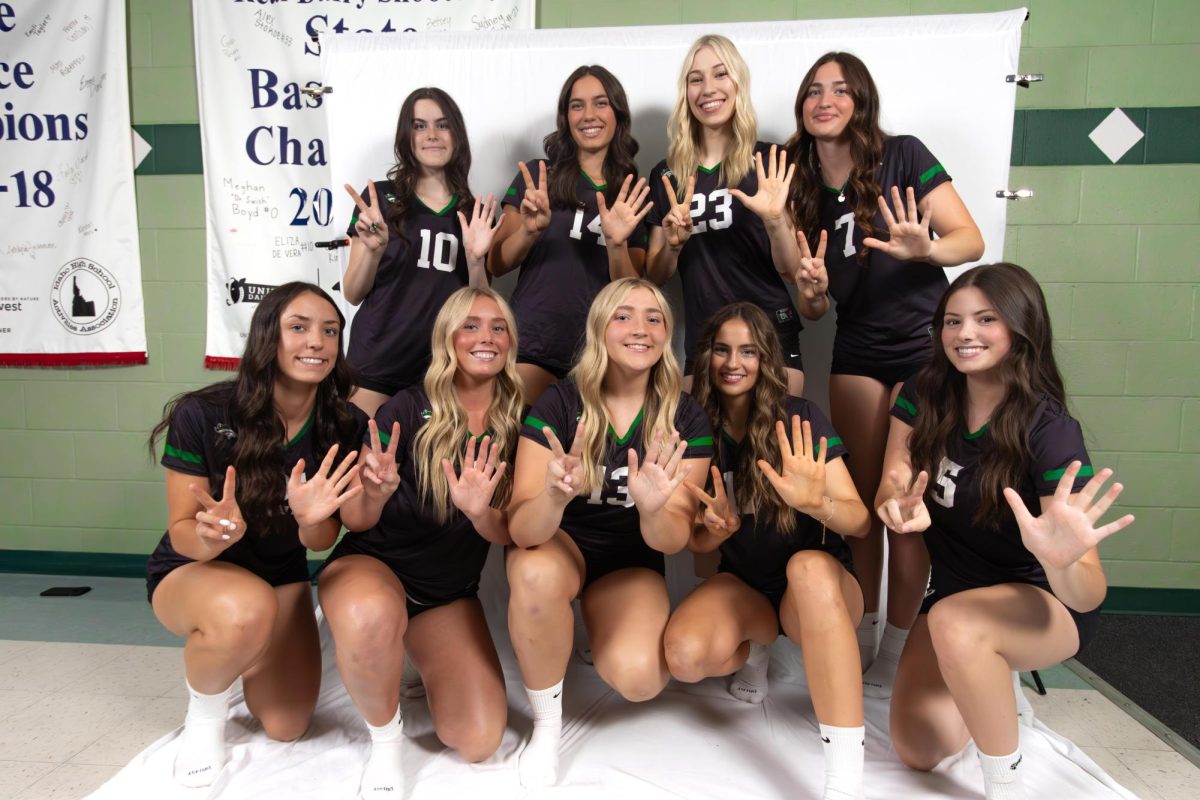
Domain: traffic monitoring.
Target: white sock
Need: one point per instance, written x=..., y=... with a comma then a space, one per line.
x=1002, y=776
x=866, y=638
x=879, y=677
x=1024, y=708
x=383, y=776
x=411, y=684
x=844, y=754
x=202, y=745
x=749, y=684
x=537, y=765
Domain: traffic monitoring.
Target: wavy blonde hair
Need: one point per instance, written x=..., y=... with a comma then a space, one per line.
x=589, y=372
x=446, y=432
x=683, y=130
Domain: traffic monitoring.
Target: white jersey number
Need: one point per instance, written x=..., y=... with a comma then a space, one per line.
x=943, y=495
x=445, y=251
x=617, y=494
x=593, y=227
x=723, y=203
x=846, y=220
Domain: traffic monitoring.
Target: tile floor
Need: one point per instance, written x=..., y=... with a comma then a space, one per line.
x=86, y=683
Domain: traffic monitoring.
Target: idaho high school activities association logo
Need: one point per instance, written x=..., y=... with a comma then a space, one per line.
x=85, y=296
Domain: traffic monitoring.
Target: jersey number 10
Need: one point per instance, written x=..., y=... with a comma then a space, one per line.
x=445, y=251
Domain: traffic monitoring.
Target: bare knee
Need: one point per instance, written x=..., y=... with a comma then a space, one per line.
x=814, y=580
x=537, y=579
x=366, y=626
x=241, y=621
x=957, y=634
x=475, y=739
x=636, y=674
x=690, y=654
x=285, y=725
x=914, y=753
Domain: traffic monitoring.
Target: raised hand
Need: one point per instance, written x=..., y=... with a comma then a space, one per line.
x=677, y=224
x=472, y=490
x=371, y=228
x=380, y=477
x=477, y=232
x=315, y=500
x=908, y=234
x=535, y=206
x=812, y=279
x=220, y=522
x=564, y=473
x=905, y=511
x=652, y=485
x=630, y=207
x=1066, y=528
x=802, y=484
x=719, y=517
x=770, y=201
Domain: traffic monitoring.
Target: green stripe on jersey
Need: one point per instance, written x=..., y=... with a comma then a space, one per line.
x=632, y=427
x=832, y=443
x=601, y=188
x=512, y=192
x=182, y=455
x=385, y=438
x=453, y=202
x=709, y=170
x=537, y=424
x=1085, y=471
x=304, y=430
x=929, y=173
x=700, y=441
x=976, y=434
x=907, y=406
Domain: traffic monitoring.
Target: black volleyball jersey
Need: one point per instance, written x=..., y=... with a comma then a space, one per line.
x=563, y=272
x=758, y=552
x=389, y=340
x=607, y=521
x=436, y=558
x=728, y=256
x=971, y=555
x=200, y=442
x=884, y=306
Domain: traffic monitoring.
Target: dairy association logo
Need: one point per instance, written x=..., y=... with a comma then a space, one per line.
x=85, y=297
x=242, y=291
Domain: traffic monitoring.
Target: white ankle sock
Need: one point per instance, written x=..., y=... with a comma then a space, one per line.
x=1002, y=776
x=1024, y=708
x=879, y=677
x=844, y=754
x=383, y=776
x=866, y=638
x=749, y=684
x=537, y=765
x=202, y=745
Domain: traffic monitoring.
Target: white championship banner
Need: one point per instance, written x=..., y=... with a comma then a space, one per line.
x=70, y=270
x=266, y=178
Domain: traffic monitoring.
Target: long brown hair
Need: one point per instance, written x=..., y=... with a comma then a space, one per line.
x=753, y=491
x=866, y=151
x=1029, y=374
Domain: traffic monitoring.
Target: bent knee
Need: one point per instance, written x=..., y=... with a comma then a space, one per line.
x=690, y=656
x=241, y=621
x=815, y=576
x=635, y=676
x=285, y=726
x=957, y=633
x=369, y=623
x=474, y=740
x=535, y=576
x=916, y=755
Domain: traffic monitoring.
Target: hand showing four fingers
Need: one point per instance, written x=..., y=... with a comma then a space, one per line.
x=472, y=489
x=628, y=209
x=652, y=483
x=315, y=500
x=370, y=227
x=220, y=522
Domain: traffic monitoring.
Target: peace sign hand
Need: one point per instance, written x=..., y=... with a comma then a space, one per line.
x=478, y=231
x=908, y=235
x=812, y=279
x=1066, y=528
x=906, y=511
x=564, y=472
x=472, y=491
x=315, y=500
x=220, y=523
x=770, y=201
x=535, y=205
x=719, y=518
x=619, y=222
x=677, y=224
x=652, y=485
x=802, y=484
x=370, y=227
x=379, y=473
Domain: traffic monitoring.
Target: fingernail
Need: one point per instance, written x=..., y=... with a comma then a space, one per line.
x=225, y=536
x=224, y=523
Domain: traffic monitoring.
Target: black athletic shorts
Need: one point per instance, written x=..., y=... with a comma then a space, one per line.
x=887, y=374
x=164, y=559
x=597, y=564
x=775, y=590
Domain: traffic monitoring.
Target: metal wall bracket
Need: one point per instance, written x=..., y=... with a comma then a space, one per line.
x=1009, y=194
x=1024, y=79
x=316, y=91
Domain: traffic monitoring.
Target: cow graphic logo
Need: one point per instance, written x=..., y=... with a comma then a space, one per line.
x=242, y=291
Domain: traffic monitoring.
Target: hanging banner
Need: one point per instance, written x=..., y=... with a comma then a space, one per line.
x=70, y=271
x=268, y=199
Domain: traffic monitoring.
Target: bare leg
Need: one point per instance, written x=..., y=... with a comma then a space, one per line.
x=282, y=688
x=925, y=723
x=795, y=380
x=711, y=631
x=626, y=613
x=536, y=381
x=368, y=400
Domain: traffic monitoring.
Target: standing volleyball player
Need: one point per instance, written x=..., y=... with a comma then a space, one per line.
x=412, y=244
x=884, y=268
x=720, y=205
x=572, y=222
x=409, y=581
x=595, y=504
x=983, y=457
x=777, y=510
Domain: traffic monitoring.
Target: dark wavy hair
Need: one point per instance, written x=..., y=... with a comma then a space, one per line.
x=406, y=170
x=866, y=150
x=754, y=492
x=563, y=155
x=257, y=449
x=1029, y=374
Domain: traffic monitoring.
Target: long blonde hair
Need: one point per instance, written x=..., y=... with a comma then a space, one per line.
x=589, y=372
x=446, y=432
x=683, y=130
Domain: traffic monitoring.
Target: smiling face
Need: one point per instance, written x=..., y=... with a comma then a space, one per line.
x=636, y=332
x=733, y=367
x=711, y=91
x=482, y=341
x=974, y=337
x=828, y=105
x=590, y=116
x=432, y=141
x=308, y=339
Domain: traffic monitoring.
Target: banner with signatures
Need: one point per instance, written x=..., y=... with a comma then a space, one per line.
x=70, y=272
x=268, y=199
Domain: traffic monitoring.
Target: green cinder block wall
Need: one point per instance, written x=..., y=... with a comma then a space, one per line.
x=1116, y=246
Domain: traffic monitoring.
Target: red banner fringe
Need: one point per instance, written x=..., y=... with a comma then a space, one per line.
x=70, y=359
x=221, y=362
